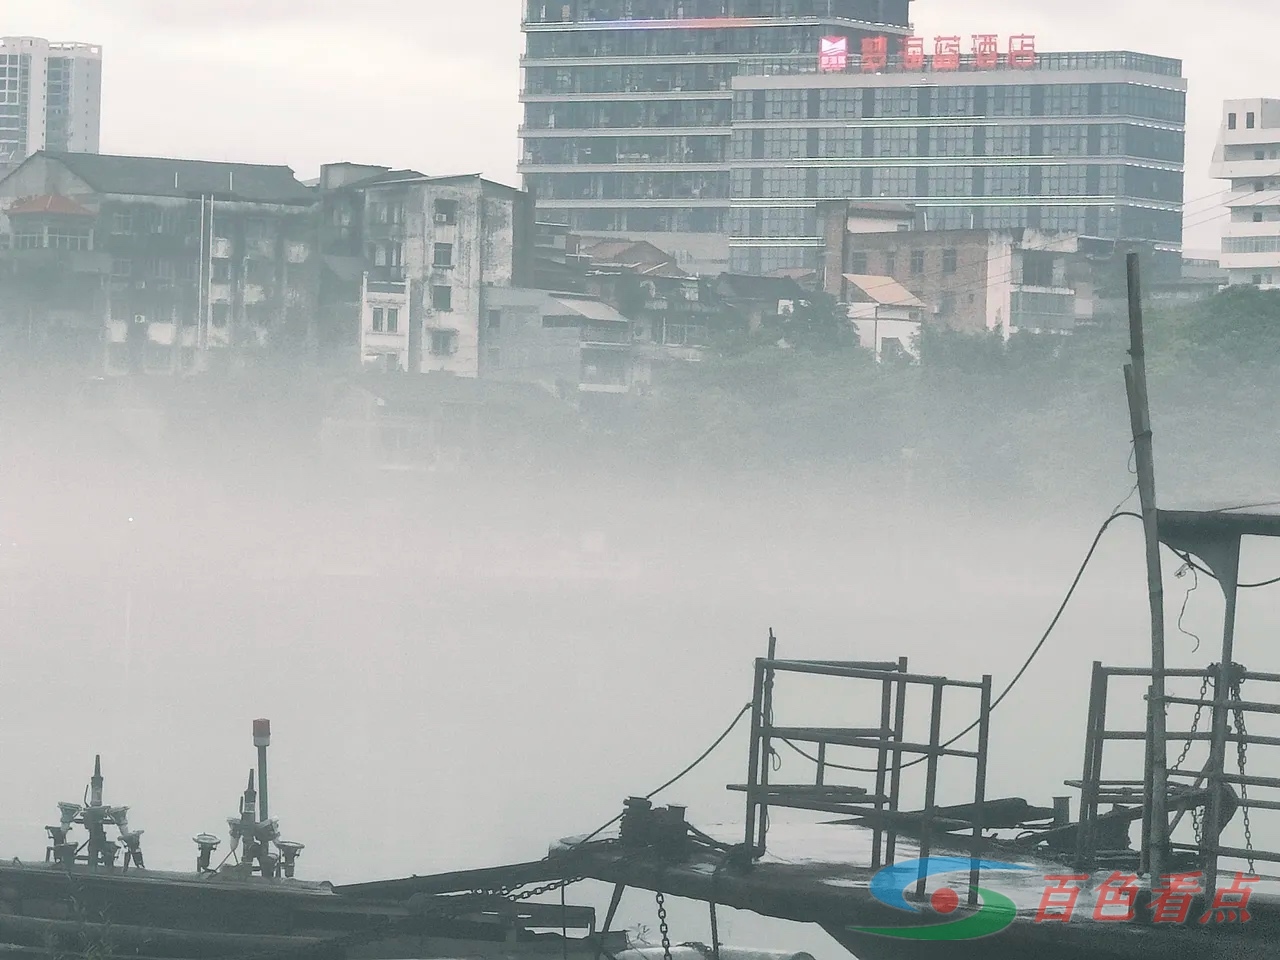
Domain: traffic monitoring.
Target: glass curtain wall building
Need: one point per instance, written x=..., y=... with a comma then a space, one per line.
x=629, y=103
x=1083, y=143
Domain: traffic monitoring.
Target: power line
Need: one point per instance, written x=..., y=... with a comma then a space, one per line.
x=1025, y=666
x=657, y=790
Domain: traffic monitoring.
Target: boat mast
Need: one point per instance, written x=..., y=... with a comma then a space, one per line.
x=1156, y=776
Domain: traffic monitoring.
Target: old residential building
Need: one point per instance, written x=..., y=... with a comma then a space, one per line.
x=567, y=343
x=173, y=264
x=887, y=317
x=1248, y=157
x=980, y=280
x=432, y=248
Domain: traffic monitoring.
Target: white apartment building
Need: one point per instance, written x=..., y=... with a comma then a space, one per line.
x=50, y=97
x=1248, y=155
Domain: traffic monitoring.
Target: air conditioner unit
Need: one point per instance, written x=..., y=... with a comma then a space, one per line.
x=442, y=218
x=139, y=318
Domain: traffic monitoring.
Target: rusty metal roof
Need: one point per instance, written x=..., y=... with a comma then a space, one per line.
x=49, y=203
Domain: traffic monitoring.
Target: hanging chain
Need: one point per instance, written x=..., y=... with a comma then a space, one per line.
x=509, y=891
x=665, y=930
x=1186, y=749
x=1195, y=724
x=1242, y=753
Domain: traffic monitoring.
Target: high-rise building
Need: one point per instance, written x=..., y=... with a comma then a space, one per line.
x=50, y=97
x=1090, y=144
x=1248, y=155
x=629, y=106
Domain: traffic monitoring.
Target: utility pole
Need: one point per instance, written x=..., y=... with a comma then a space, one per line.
x=1156, y=775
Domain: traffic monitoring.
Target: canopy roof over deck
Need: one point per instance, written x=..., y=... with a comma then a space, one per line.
x=1213, y=534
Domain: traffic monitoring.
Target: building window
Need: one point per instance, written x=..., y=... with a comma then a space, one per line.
x=122, y=222
x=1231, y=121
x=446, y=211
x=222, y=271
x=890, y=264
x=442, y=299
x=221, y=313
x=1257, y=216
x=1037, y=269
x=121, y=268
x=947, y=304
x=917, y=261
x=495, y=358
x=377, y=320
x=1248, y=121
x=443, y=255
x=444, y=342
x=948, y=261
x=1259, y=186
x=62, y=239
x=1257, y=279
x=1259, y=154
x=858, y=264
x=495, y=319
x=393, y=320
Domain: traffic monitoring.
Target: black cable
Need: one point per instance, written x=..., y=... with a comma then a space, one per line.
x=653, y=793
x=1186, y=558
x=1195, y=582
x=1025, y=666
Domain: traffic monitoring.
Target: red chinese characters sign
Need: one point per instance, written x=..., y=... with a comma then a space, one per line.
x=833, y=54
x=944, y=53
x=1170, y=902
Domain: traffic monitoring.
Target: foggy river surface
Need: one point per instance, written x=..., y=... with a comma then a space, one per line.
x=460, y=681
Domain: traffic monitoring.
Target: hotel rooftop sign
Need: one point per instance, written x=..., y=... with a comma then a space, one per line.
x=1019, y=53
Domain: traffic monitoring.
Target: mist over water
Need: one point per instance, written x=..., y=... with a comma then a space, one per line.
x=461, y=669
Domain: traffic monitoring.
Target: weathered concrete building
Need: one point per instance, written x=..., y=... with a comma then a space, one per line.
x=887, y=317
x=568, y=343
x=431, y=249
x=979, y=281
x=171, y=265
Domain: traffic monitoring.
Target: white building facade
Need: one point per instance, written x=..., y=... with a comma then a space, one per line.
x=50, y=97
x=1248, y=156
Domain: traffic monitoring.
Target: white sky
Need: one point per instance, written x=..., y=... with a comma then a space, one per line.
x=433, y=84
